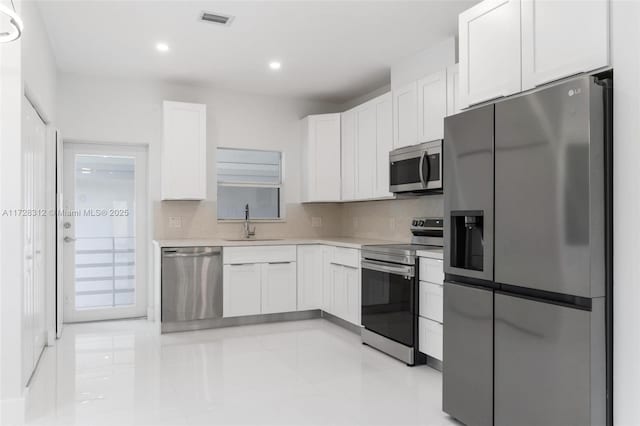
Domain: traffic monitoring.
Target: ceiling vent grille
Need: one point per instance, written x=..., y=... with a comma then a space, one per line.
x=216, y=18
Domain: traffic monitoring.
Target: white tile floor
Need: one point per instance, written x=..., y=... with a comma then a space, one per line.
x=307, y=372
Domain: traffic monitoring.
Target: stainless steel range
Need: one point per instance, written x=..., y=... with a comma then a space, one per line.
x=390, y=291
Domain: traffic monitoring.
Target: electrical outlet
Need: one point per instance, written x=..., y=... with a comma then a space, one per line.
x=316, y=222
x=175, y=222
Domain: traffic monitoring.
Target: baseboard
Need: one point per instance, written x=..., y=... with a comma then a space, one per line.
x=342, y=323
x=170, y=327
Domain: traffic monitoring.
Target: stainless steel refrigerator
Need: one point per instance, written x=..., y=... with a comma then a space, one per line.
x=528, y=258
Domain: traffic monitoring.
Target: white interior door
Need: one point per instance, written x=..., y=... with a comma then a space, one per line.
x=34, y=204
x=104, y=232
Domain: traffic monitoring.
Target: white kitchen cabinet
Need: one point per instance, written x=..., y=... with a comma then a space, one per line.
x=259, y=280
x=432, y=106
x=354, y=292
x=405, y=115
x=241, y=290
x=310, y=277
x=489, y=51
x=279, y=293
x=366, y=131
x=430, y=338
x=349, y=156
x=431, y=301
x=184, y=151
x=321, y=154
x=453, y=90
x=327, y=281
x=367, y=138
x=562, y=38
x=431, y=270
x=384, y=139
x=342, y=286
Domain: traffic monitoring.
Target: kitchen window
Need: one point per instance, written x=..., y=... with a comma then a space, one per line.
x=253, y=177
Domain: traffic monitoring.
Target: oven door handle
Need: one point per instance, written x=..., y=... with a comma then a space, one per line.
x=407, y=271
x=421, y=169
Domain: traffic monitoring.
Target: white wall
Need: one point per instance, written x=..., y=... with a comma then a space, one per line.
x=435, y=58
x=11, y=247
x=38, y=63
x=128, y=111
x=26, y=65
x=625, y=17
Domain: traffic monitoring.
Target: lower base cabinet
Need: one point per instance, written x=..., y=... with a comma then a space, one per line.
x=241, y=290
x=430, y=338
x=342, y=293
x=259, y=288
x=278, y=287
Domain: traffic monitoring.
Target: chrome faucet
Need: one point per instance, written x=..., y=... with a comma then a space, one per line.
x=248, y=231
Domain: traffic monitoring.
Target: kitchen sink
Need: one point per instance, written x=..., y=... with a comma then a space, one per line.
x=254, y=239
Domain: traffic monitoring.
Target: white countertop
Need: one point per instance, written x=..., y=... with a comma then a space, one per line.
x=348, y=242
x=433, y=253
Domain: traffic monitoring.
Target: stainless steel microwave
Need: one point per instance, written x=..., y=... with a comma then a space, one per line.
x=416, y=168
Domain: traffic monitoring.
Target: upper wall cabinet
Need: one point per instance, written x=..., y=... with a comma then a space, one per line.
x=562, y=38
x=507, y=46
x=432, y=106
x=184, y=151
x=453, y=90
x=321, y=158
x=367, y=138
x=405, y=115
x=489, y=51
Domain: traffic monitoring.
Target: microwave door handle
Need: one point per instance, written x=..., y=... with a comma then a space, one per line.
x=421, y=167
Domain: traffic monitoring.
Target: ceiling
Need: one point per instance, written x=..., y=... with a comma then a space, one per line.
x=330, y=50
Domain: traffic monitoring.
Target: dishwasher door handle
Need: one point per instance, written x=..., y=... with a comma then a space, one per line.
x=203, y=254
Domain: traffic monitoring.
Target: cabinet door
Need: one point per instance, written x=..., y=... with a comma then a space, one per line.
x=310, y=277
x=340, y=291
x=432, y=106
x=241, y=290
x=366, y=150
x=327, y=281
x=348, y=155
x=453, y=90
x=384, y=144
x=405, y=115
x=352, y=281
x=560, y=38
x=279, y=287
x=323, y=158
x=184, y=146
x=489, y=51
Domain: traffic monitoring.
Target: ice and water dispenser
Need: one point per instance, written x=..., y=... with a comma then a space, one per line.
x=467, y=240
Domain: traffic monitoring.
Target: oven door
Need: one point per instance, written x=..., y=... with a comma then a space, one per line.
x=388, y=300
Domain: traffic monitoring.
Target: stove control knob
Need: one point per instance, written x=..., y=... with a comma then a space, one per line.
x=414, y=223
x=421, y=223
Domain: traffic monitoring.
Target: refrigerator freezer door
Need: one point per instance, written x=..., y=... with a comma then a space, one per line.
x=468, y=181
x=549, y=190
x=467, y=376
x=549, y=363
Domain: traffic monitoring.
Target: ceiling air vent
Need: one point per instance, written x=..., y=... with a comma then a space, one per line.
x=216, y=18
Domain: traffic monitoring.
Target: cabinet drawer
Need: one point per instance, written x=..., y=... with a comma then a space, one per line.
x=431, y=301
x=430, y=335
x=346, y=256
x=431, y=270
x=258, y=254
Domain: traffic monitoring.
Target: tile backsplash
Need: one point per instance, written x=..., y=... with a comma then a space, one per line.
x=385, y=220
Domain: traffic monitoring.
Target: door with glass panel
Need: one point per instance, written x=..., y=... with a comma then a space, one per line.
x=104, y=232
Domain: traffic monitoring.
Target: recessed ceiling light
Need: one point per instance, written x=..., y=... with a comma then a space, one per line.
x=275, y=65
x=162, y=47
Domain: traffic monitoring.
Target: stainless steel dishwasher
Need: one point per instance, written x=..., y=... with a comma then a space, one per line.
x=191, y=283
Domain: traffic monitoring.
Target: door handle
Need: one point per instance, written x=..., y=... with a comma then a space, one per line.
x=68, y=239
x=420, y=169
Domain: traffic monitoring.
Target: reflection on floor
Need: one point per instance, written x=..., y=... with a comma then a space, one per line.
x=294, y=373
